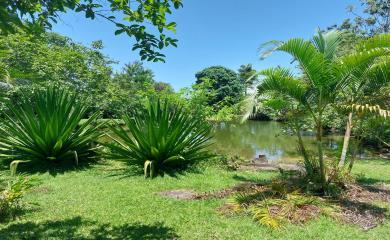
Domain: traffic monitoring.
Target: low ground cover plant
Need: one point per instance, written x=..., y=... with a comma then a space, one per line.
x=11, y=194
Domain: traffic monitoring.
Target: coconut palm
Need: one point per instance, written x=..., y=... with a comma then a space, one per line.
x=323, y=75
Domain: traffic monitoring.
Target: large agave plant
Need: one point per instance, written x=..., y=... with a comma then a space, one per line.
x=47, y=127
x=162, y=138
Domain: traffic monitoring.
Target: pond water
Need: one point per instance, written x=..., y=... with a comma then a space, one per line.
x=254, y=138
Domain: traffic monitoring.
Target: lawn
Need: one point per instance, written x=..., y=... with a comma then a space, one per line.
x=105, y=201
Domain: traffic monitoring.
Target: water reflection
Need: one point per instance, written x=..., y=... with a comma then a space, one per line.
x=254, y=138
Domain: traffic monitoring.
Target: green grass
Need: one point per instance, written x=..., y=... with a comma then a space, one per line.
x=103, y=202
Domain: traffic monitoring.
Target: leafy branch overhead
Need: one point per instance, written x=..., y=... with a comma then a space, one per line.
x=129, y=17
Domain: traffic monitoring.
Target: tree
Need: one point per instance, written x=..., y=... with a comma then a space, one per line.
x=129, y=17
x=136, y=73
x=322, y=76
x=247, y=75
x=363, y=86
x=31, y=62
x=225, y=86
x=374, y=20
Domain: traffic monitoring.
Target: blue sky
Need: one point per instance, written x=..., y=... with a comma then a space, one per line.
x=216, y=32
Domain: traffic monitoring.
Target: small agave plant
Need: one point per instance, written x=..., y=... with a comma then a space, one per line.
x=162, y=138
x=46, y=128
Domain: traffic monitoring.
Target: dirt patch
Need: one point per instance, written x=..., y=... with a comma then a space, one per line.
x=183, y=194
x=357, y=205
x=366, y=216
x=368, y=193
x=242, y=187
x=282, y=167
x=41, y=190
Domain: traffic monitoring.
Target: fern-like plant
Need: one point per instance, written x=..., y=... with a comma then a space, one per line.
x=47, y=127
x=162, y=138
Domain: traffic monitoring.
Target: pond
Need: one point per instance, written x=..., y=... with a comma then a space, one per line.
x=254, y=138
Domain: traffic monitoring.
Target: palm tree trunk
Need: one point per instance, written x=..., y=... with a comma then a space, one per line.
x=302, y=148
x=353, y=157
x=347, y=137
x=320, y=153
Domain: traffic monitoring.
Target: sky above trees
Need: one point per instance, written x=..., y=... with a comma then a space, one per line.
x=218, y=32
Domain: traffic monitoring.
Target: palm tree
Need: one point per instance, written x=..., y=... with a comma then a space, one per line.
x=363, y=85
x=247, y=76
x=323, y=75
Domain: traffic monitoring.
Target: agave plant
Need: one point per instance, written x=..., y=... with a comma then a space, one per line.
x=47, y=127
x=162, y=138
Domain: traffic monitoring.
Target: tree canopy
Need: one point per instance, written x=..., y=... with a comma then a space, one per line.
x=225, y=87
x=133, y=18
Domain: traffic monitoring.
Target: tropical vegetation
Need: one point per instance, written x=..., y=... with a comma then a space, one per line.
x=161, y=139
x=47, y=128
x=92, y=151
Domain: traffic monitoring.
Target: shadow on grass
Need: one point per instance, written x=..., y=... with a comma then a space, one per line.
x=77, y=228
x=53, y=168
x=252, y=179
x=361, y=179
x=131, y=170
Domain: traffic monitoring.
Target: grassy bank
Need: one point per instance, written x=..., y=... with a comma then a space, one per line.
x=107, y=202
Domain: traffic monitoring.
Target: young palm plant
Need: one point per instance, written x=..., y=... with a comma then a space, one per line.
x=47, y=128
x=322, y=76
x=162, y=138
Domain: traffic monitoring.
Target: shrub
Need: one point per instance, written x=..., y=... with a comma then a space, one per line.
x=11, y=194
x=162, y=138
x=46, y=127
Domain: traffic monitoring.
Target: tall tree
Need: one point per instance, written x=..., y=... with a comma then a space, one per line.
x=225, y=88
x=247, y=75
x=323, y=75
x=374, y=19
x=133, y=18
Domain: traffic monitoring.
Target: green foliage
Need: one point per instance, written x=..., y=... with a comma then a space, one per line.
x=31, y=63
x=247, y=75
x=276, y=203
x=323, y=77
x=374, y=20
x=11, y=194
x=46, y=127
x=129, y=18
x=163, y=138
x=224, y=87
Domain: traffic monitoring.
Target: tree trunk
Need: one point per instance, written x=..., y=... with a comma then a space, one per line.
x=320, y=154
x=347, y=137
x=354, y=153
x=300, y=143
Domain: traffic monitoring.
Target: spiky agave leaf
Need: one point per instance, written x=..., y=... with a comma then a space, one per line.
x=47, y=128
x=164, y=134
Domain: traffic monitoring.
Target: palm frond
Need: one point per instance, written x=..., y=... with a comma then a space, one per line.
x=327, y=43
x=282, y=81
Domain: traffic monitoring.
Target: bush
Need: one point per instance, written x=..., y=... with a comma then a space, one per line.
x=163, y=138
x=46, y=127
x=11, y=194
